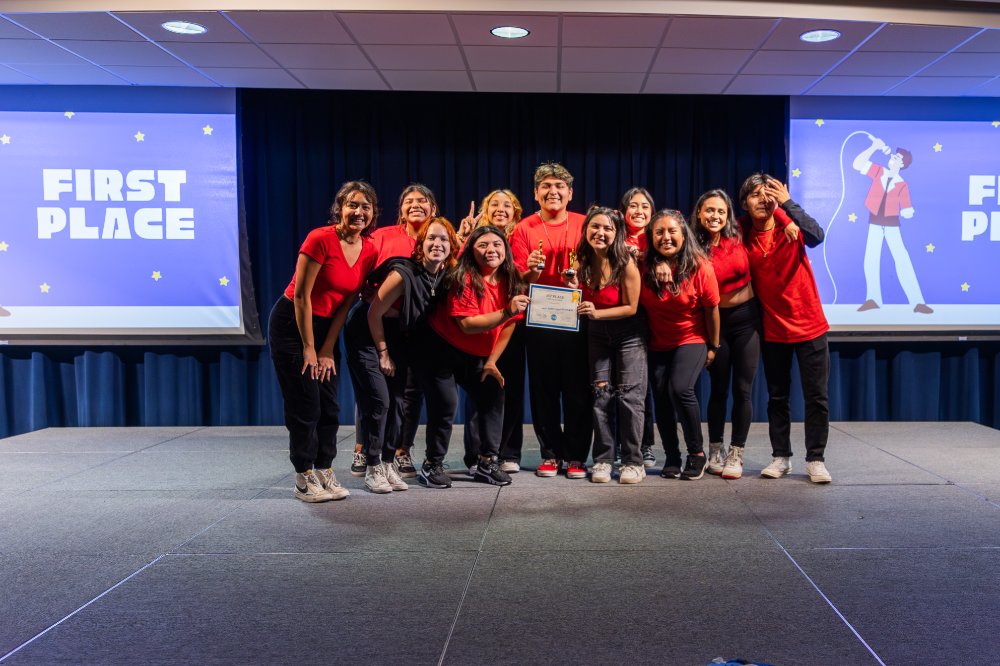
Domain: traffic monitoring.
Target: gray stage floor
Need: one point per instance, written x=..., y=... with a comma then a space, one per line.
x=185, y=546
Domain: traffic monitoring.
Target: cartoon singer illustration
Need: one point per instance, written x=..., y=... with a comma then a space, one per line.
x=888, y=200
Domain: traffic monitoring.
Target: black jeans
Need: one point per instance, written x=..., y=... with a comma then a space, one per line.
x=312, y=412
x=439, y=367
x=379, y=398
x=511, y=366
x=673, y=374
x=738, y=356
x=413, y=402
x=813, y=357
x=617, y=355
x=559, y=392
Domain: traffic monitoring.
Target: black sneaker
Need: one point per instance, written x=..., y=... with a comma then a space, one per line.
x=671, y=470
x=648, y=459
x=488, y=471
x=694, y=468
x=359, y=464
x=432, y=475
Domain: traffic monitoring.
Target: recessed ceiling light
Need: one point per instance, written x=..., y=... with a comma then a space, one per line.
x=185, y=28
x=819, y=36
x=510, y=32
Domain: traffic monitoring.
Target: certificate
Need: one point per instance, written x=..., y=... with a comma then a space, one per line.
x=553, y=307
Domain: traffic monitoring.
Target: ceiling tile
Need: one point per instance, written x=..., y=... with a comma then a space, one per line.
x=428, y=80
x=504, y=59
x=340, y=79
x=66, y=75
x=893, y=63
x=399, y=28
x=36, y=51
x=786, y=36
x=705, y=32
x=987, y=42
x=141, y=54
x=416, y=57
x=896, y=37
x=9, y=76
x=965, y=64
x=77, y=25
x=272, y=27
x=475, y=29
x=574, y=82
x=854, y=85
x=10, y=31
x=686, y=84
x=749, y=84
x=632, y=31
x=792, y=62
x=938, y=86
x=606, y=59
x=318, y=56
x=516, y=82
x=221, y=55
x=162, y=76
x=246, y=77
x=700, y=61
x=150, y=24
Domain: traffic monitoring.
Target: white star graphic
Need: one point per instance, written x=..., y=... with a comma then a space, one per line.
x=139, y=136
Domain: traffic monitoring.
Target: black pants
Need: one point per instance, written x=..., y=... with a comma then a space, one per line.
x=813, y=357
x=312, y=412
x=673, y=375
x=440, y=369
x=618, y=370
x=511, y=366
x=379, y=398
x=738, y=357
x=413, y=402
x=559, y=392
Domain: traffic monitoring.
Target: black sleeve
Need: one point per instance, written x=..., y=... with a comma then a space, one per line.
x=812, y=232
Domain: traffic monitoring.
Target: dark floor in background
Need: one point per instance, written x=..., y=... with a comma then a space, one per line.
x=185, y=546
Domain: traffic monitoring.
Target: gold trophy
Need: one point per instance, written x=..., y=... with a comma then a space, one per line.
x=541, y=264
x=570, y=271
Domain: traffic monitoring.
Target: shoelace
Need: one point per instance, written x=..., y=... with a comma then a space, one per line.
x=404, y=461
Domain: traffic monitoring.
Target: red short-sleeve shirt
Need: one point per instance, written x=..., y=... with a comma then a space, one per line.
x=679, y=319
x=557, y=240
x=467, y=303
x=337, y=280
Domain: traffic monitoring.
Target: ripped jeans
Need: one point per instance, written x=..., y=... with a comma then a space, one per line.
x=616, y=349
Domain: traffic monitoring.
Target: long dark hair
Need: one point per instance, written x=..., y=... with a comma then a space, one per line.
x=686, y=263
x=632, y=191
x=467, y=265
x=618, y=254
x=731, y=230
x=346, y=190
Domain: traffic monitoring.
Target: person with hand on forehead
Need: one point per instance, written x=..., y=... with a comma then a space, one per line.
x=302, y=335
x=793, y=321
x=558, y=378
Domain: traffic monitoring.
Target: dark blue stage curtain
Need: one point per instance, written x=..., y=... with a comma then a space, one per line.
x=298, y=146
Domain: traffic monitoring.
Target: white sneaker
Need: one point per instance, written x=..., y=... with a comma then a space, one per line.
x=733, y=469
x=375, y=480
x=392, y=476
x=716, y=458
x=817, y=472
x=600, y=472
x=778, y=468
x=328, y=480
x=309, y=489
x=510, y=466
x=631, y=474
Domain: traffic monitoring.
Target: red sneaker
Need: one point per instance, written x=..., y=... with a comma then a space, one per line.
x=548, y=467
x=576, y=470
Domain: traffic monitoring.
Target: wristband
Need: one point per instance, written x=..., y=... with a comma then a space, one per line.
x=711, y=347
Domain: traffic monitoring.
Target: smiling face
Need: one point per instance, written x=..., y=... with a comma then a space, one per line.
x=356, y=213
x=553, y=195
x=489, y=252
x=416, y=209
x=600, y=232
x=668, y=236
x=638, y=212
x=713, y=215
x=436, y=245
x=759, y=205
x=500, y=210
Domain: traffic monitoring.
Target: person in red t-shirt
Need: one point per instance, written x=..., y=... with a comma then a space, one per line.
x=502, y=209
x=467, y=335
x=417, y=204
x=332, y=264
x=794, y=323
x=681, y=299
x=558, y=379
x=608, y=276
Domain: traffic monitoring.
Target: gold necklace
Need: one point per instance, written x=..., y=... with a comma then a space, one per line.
x=770, y=238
